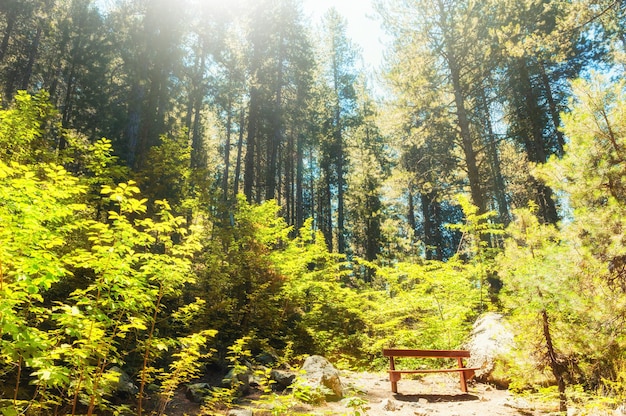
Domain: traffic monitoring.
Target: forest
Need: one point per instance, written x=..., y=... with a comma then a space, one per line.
x=187, y=185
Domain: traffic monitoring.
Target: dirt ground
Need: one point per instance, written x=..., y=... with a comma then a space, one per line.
x=432, y=395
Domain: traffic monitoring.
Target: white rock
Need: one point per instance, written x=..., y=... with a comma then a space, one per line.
x=391, y=405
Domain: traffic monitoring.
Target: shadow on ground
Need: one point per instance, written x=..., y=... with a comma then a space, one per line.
x=435, y=398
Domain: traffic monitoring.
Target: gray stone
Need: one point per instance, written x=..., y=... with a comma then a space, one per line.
x=266, y=358
x=239, y=412
x=196, y=392
x=240, y=380
x=320, y=374
x=283, y=378
x=124, y=385
x=490, y=339
x=390, y=405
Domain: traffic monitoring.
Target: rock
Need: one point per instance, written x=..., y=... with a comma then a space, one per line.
x=240, y=380
x=422, y=412
x=620, y=411
x=196, y=392
x=422, y=401
x=282, y=378
x=489, y=340
x=389, y=405
x=124, y=386
x=266, y=358
x=239, y=412
x=572, y=411
x=319, y=374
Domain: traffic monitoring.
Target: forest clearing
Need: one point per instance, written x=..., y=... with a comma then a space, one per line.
x=198, y=196
x=433, y=395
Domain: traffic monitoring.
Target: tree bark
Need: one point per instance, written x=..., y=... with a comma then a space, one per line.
x=11, y=16
x=229, y=127
x=554, y=112
x=32, y=55
x=536, y=146
x=556, y=367
x=454, y=68
x=299, y=208
x=499, y=186
x=249, y=163
x=277, y=136
x=242, y=120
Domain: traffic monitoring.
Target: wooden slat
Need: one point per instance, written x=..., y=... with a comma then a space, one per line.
x=393, y=352
x=435, y=370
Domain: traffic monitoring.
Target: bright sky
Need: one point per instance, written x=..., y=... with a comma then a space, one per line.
x=363, y=27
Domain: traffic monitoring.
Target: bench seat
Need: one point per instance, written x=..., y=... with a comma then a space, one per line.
x=395, y=374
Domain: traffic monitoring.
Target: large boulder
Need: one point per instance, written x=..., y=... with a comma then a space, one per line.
x=123, y=385
x=282, y=378
x=196, y=392
x=490, y=341
x=240, y=379
x=321, y=376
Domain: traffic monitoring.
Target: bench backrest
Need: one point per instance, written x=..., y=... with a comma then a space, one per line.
x=393, y=352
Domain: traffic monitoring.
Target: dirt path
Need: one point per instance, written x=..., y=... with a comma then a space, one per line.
x=433, y=395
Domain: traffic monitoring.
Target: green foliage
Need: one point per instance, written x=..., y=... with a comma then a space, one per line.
x=167, y=172
x=592, y=172
x=187, y=365
x=429, y=305
x=527, y=267
x=578, y=268
x=358, y=405
x=113, y=277
x=27, y=129
x=238, y=281
x=327, y=313
x=38, y=206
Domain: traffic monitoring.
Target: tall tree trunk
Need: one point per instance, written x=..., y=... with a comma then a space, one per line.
x=249, y=163
x=537, y=150
x=32, y=56
x=11, y=16
x=499, y=186
x=437, y=239
x=341, y=237
x=473, y=174
x=299, y=208
x=536, y=146
x=194, y=111
x=242, y=121
x=427, y=224
x=454, y=68
x=325, y=208
x=277, y=136
x=137, y=94
x=229, y=123
x=67, y=103
x=338, y=142
x=554, y=112
x=289, y=179
x=411, y=212
x=557, y=369
x=433, y=240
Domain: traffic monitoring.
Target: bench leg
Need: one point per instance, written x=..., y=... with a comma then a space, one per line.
x=463, y=381
x=464, y=376
x=393, y=377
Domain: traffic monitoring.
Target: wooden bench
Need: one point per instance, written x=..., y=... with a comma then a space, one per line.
x=395, y=374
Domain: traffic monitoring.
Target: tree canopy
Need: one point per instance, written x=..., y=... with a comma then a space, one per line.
x=187, y=185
